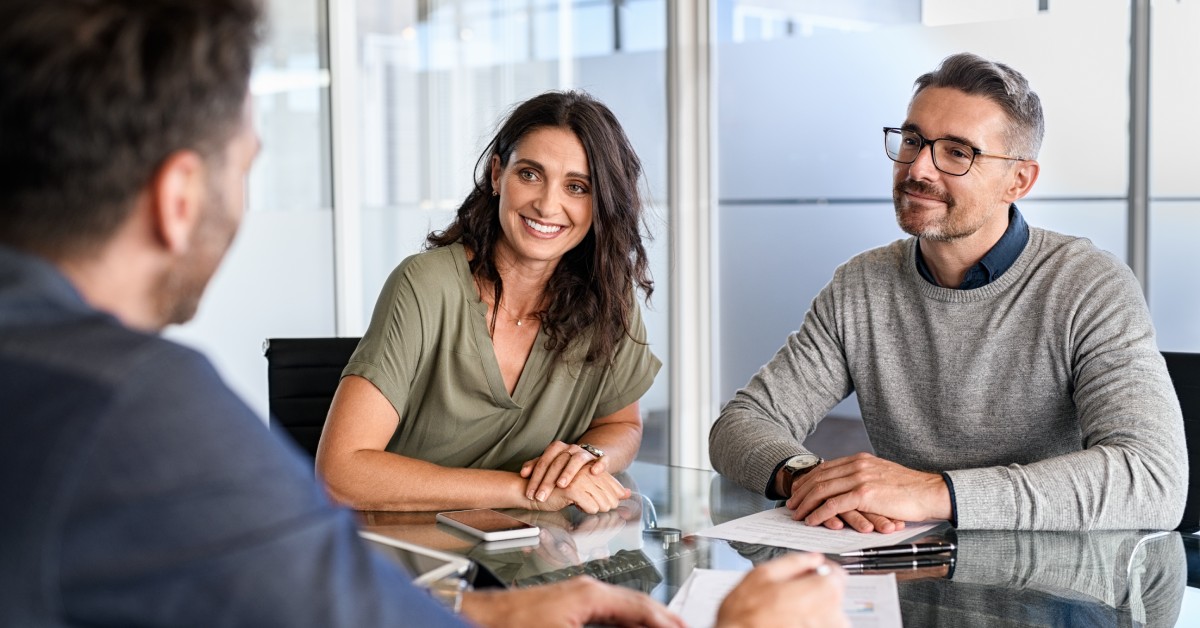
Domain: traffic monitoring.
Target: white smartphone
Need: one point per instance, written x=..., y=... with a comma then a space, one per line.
x=488, y=524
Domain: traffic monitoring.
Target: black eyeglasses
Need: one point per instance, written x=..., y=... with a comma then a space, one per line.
x=951, y=157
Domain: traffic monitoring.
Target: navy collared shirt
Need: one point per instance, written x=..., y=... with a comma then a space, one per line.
x=1002, y=256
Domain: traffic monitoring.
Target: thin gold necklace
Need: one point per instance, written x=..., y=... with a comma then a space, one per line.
x=519, y=319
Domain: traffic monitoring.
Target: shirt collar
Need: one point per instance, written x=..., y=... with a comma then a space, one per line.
x=34, y=290
x=997, y=260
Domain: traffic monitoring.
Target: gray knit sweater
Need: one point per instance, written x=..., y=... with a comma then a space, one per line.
x=1043, y=393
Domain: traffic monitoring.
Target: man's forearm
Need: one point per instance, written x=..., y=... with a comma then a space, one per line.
x=1103, y=488
x=746, y=448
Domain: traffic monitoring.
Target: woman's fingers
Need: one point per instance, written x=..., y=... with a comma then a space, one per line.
x=538, y=472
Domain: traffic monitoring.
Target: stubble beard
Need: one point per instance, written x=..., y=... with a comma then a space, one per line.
x=181, y=287
x=945, y=228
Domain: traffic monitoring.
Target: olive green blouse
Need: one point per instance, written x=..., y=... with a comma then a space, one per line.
x=429, y=352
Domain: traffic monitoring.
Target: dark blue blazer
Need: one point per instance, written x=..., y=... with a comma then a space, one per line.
x=137, y=490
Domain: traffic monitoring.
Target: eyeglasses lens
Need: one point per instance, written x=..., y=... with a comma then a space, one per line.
x=948, y=156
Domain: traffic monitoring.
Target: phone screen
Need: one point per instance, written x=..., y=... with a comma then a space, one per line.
x=487, y=520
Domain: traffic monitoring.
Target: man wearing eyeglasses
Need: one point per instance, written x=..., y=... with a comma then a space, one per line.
x=1008, y=376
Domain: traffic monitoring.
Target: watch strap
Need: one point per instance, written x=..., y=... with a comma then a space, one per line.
x=799, y=472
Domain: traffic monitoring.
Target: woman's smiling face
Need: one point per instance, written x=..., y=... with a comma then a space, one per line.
x=545, y=196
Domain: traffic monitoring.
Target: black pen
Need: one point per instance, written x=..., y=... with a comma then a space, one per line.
x=908, y=549
x=886, y=565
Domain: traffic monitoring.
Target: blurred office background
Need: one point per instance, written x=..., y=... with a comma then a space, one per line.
x=373, y=113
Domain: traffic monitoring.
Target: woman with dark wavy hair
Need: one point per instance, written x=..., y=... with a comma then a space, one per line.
x=503, y=365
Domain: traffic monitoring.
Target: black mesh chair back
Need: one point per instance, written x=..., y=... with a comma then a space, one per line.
x=1185, y=374
x=302, y=375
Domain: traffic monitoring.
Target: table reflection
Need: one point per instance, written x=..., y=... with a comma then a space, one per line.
x=1000, y=578
x=1121, y=578
x=1006, y=578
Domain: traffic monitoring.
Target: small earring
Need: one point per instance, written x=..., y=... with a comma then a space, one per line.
x=495, y=193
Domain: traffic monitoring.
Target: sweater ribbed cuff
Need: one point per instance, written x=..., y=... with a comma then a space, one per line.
x=953, y=502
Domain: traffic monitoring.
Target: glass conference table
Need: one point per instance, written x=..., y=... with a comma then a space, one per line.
x=1128, y=578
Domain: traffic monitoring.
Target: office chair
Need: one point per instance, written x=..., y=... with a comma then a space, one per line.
x=302, y=375
x=1185, y=374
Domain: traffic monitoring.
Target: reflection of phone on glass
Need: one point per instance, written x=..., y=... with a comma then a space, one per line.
x=487, y=524
x=489, y=547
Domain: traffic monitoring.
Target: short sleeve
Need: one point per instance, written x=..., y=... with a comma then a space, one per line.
x=390, y=350
x=632, y=371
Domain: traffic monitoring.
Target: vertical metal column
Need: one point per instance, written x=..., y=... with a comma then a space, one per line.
x=1139, y=143
x=347, y=206
x=616, y=24
x=691, y=182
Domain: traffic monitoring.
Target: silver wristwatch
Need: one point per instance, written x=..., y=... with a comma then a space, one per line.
x=801, y=463
x=592, y=449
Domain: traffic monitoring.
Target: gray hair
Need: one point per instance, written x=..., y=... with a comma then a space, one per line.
x=1000, y=84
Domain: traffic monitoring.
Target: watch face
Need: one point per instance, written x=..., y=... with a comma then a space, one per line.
x=800, y=462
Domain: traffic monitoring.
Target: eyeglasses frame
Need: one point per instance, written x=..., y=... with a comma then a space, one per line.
x=975, y=151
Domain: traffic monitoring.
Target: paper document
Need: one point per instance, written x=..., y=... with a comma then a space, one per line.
x=775, y=527
x=870, y=601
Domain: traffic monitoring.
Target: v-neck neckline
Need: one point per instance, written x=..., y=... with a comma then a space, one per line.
x=534, y=364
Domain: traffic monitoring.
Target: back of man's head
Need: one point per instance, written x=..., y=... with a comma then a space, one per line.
x=96, y=94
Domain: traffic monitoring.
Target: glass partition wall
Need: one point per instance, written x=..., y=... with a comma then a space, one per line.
x=1174, y=187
